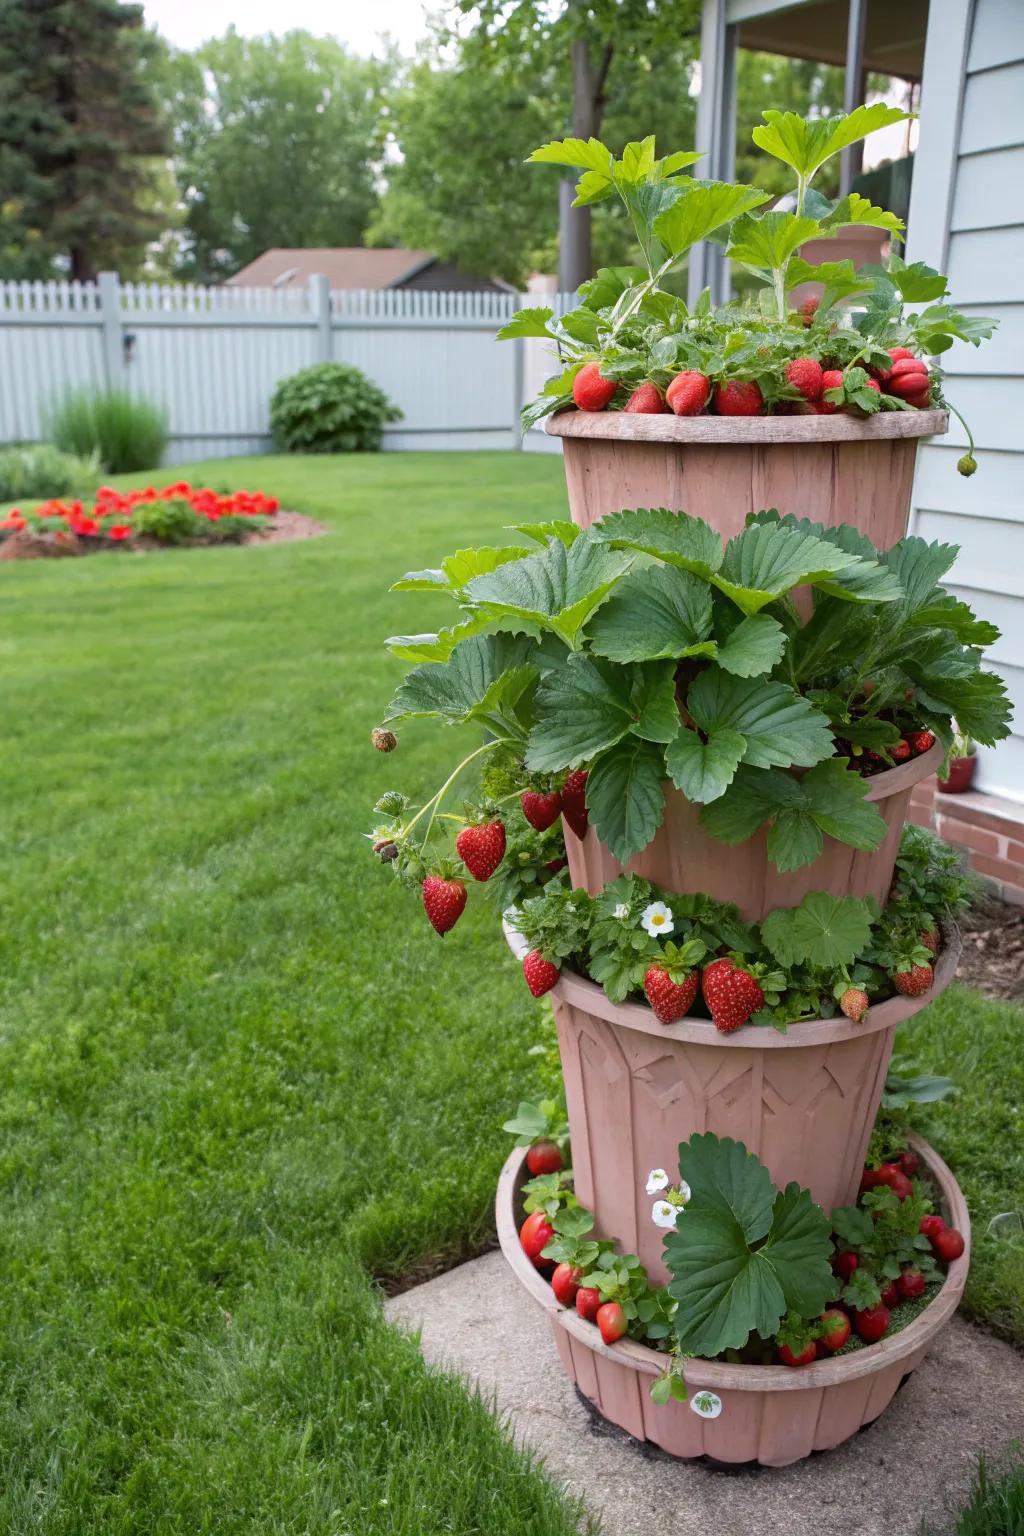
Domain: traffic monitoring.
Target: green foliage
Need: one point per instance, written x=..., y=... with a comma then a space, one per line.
x=277, y=141
x=829, y=931
x=176, y=522
x=995, y=1502
x=743, y=1253
x=329, y=408
x=125, y=432
x=37, y=470
x=884, y=1232
x=79, y=139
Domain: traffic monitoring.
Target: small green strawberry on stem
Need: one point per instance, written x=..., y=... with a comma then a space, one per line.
x=671, y=981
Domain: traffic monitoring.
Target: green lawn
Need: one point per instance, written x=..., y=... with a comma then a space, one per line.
x=241, y=1074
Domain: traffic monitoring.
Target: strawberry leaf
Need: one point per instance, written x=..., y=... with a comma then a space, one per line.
x=824, y=930
x=765, y=561
x=483, y=673
x=654, y=613
x=806, y=143
x=678, y=539
x=625, y=798
x=456, y=570
x=855, y=209
x=829, y=800
x=540, y=533
x=587, y=705
x=557, y=588
x=528, y=322
x=701, y=208
x=770, y=240
x=780, y=727
x=754, y=647
x=704, y=770
x=743, y=1253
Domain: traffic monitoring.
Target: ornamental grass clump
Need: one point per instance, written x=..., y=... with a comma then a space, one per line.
x=126, y=433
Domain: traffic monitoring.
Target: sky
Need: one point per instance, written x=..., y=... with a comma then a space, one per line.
x=358, y=23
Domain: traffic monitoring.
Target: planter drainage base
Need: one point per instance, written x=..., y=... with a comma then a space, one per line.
x=771, y=1415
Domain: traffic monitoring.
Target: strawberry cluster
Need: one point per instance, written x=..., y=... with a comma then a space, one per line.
x=811, y=389
x=109, y=515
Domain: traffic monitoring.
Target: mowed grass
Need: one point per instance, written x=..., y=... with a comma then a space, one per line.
x=241, y=1074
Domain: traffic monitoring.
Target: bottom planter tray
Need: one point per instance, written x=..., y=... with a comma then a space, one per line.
x=771, y=1414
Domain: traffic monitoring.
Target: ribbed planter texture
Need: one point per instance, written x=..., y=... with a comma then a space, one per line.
x=804, y=1102
x=770, y=1414
x=832, y=469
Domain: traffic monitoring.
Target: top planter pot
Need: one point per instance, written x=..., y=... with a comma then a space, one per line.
x=831, y=469
x=683, y=857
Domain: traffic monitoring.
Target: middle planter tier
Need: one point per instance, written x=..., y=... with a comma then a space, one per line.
x=683, y=857
x=804, y=1102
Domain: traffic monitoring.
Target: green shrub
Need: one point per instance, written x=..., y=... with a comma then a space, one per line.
x=995, y=1505
x=126, y=433
x=38, y=471
x=329, y=408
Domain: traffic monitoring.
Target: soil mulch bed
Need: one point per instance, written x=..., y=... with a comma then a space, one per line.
x=28, y=545
x=993, y=953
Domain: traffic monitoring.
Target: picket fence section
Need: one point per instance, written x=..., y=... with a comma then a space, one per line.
x=212, y=357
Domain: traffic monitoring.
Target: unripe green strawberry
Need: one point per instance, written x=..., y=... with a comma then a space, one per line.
x=967, y=465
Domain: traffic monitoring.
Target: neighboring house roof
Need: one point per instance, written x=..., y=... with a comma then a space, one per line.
x=344, y=267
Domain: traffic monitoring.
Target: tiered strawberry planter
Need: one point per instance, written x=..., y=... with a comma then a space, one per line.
x=726, y=677
x=769, y=1414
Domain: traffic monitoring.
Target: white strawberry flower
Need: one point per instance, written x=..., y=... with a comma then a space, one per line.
x=656, y=919
x=622, y=910
x=706, y=1405
x=657, y=1180
x=683, y=1192
x=664, y=1213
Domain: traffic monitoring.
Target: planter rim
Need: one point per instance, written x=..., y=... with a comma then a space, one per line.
x=579, y=992
x=720, y=1376
x=746, y=430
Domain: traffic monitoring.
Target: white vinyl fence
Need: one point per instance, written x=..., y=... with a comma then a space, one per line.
x=212, y=356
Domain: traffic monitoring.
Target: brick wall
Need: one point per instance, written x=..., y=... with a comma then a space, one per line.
x=988, y=828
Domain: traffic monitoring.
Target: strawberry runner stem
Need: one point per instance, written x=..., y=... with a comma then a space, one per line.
x=432, y=804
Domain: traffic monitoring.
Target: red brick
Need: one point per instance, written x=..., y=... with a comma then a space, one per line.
x=996, y=869
x=988, y=811
x=923, y=794
x=1015, y=852
x=920, y=817
x=966, y=836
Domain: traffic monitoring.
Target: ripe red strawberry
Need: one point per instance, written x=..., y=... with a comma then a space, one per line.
x=687, y=395
x=540, y=974
x=443, y=901
x=544, y=1157
x=903, y=366
x=832, y=378
x=588, y=1300
x=535, y=1234
x=909, y=378
x=919, y=402
x=731, y=994
x=948, y=1245
x=565, y=1282
x=900, y=751
x=574, y=802
x=645, y=401
x=854, y=1003
x=872, y=1323
x=910, y=1163
x=805, y=374
x=891, y=1295
x=892, y=1175
x=844, y=1265
x=541, y=811
x=930, y=939
x=920, y=741
x=837, y=1329
x=669, y=999
x=555, y=865
x=809, y=309
x=590, y=391
x=931, y=1226
x=481, y=848
x=808, y=1354
x=913, y=982
x=612, y=1321
x=873, y=384
x=910, y=1284
x=738, y=397
x=896, y=353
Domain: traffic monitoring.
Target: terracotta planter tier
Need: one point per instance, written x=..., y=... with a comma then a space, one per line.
x=804, y=1102
x=683, y=857
x=770, y=1414
x=832, y=469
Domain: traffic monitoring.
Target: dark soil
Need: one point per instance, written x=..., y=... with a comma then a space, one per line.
x=29, y=545
x=993, y=956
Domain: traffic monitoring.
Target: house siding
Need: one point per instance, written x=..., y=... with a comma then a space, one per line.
x=985, y=263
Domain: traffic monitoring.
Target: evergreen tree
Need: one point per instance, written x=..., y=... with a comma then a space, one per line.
x=79, y=128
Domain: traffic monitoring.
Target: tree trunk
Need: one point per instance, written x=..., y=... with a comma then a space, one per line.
x=575, y=260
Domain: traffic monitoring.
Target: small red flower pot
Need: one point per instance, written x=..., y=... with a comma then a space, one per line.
x=961, y=776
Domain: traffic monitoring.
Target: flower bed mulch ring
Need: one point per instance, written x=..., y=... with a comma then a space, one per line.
x=770, y=1415
x=30, y=545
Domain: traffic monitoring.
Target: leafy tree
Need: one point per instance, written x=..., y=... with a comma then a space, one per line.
x=591, y=37
x=275, y=143
x=79, y=128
